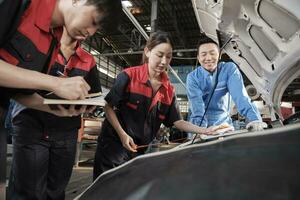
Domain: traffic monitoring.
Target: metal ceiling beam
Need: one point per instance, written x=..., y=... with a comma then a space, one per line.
x=135, y=23
x=114, y=49
x=154, y=9
x=179, y=30
x=124, y=34
x=140, y=52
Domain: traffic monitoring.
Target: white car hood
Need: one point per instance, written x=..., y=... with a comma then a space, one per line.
x=265, y=40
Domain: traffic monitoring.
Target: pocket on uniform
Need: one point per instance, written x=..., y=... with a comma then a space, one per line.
x=131, y=105
x=8, y=57
x=22, y=46
x=24, y=50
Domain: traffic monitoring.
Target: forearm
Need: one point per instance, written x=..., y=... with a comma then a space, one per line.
x=113, y=120
x=197, y=105
x=188, y=127
x=16, y=77
x=240, y=97
x=68, y=88
x=34, y=101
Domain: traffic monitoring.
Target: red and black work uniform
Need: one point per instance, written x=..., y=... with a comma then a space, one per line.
x=47, y=143
x=30, y=45
x=81, y=63
x=34, y=44
x=140, y=112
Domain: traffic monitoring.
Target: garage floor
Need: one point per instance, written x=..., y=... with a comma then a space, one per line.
x=82, y=175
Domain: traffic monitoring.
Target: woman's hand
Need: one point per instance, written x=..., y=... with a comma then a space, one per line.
x=128, y=142
x=210, y=130
x=189, y=127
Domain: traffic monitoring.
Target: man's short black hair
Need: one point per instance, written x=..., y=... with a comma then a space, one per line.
x=205, y=40
x=111, y=9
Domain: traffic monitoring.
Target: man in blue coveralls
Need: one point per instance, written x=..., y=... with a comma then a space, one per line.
x=226, y=80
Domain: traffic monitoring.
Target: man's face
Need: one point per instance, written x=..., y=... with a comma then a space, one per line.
x=82, y=20
x=208, y=56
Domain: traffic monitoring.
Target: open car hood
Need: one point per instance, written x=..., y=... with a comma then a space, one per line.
x=264, y=38
x=259, y=165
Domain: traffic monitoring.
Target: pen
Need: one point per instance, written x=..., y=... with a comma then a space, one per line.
x=61, y=74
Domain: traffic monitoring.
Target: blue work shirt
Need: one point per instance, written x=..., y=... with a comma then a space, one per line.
x=200, y=84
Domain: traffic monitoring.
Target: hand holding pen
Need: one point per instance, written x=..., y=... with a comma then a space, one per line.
x=70, y=88
x=87, y=96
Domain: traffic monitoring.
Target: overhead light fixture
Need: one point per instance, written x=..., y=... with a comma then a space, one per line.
x=148, y=27
x=127, y=4
x=179, y=54
x=136, y=10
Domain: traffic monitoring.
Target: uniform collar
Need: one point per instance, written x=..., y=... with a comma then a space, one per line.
x=208, y=73
x=81, y=53
x=144, y=76
x=44, y=13
x=165, y=80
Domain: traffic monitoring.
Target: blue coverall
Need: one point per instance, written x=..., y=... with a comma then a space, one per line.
x=200, y=84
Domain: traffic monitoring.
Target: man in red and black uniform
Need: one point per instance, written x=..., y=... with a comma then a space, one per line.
x=32, y=44
x=29, y=42
x=140, y=113
x=46, y=142
x=29, y=35
x=28, y=46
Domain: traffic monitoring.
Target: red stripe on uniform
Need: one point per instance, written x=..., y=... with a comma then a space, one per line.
x=131, y=105
x=8, y=57
x=138, y=88
x=163, y=98
x=34, y=22
x=85, y=66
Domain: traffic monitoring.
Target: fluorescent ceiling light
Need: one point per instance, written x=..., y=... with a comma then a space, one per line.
x=127, y=4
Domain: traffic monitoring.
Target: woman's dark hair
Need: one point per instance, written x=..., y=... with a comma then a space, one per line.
x=205, y=40
x=155, y=39
x=110, y=13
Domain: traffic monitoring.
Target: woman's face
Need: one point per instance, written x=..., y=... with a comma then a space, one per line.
x=82, y=20
x=159, y=57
